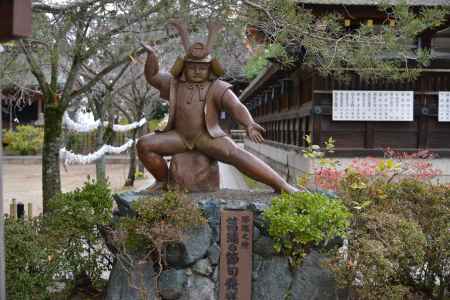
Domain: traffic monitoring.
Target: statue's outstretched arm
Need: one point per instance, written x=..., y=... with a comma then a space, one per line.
x=241, y=114
x=154, y=77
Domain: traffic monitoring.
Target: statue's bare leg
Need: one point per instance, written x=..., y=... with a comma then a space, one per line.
x=152, y=147
x=224, y=149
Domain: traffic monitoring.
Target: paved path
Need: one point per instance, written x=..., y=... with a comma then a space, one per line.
x=231, y=178
x=23, y=181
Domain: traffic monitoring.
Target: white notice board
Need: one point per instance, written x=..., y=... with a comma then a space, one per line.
x=444, y=107
x=373, y=105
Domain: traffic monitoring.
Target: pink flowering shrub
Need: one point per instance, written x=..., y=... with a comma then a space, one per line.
x=395, y=166
x=366, y=167
x=328, y=178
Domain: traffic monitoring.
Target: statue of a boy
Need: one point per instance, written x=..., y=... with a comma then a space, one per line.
x=196, y=97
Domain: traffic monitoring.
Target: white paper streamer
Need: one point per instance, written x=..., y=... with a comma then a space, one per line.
x=124, y=128
x=71, y=158
x=86, y=123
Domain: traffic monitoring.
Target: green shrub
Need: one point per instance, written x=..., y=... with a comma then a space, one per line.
x=72, y=228
x=6, y=139
x=298, y=221
x=74, y=142
x=139, y=175
x=258, y=62
x=399, y=238
x=399, y=242
x=153, y=124
x=25, y=140
x=160, y=110
x=64, y=245
x=159, y=221
x=399, y=234
x=28, y=270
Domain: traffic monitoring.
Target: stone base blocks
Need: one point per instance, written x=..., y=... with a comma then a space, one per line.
x=193, y=264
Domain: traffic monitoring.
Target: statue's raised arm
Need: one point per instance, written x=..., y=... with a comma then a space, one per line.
x=154, y=77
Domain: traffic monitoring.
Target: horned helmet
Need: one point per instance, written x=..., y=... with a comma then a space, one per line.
x=197, y=52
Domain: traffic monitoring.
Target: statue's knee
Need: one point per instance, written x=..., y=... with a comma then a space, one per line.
x=146, y=146
x=140, y=146
x=231, y=153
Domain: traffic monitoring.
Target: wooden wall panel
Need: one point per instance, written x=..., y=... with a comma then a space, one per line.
x=438, y=134
x=346, y=134
x=395, y=139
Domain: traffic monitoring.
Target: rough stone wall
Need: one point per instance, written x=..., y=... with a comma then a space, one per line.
x=193, y=264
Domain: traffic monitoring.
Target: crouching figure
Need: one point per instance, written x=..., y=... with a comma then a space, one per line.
x=196, y=98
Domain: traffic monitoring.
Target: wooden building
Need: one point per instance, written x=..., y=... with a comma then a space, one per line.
x=21, y=107
x=299, y=102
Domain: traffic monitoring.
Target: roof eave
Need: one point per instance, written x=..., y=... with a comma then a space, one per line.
x=256, y=83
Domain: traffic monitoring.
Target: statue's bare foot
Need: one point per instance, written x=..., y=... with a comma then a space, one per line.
x=290, y=189
x=157, y=187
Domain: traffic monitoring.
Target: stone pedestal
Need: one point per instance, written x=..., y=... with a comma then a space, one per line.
x=194, y=172
x=192, y=271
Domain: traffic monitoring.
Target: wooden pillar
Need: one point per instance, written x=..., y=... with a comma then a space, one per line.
x=369, y=135
x=15, y=19
x=15, y=22
x=422, y=124
x=39, y=104
x=315, y=130
x=30, y=211
x=294, y=131
x=2, y=232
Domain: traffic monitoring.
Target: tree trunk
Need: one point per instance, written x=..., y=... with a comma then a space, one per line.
x=132, y=168
x=100, y=165
x=101, y=107
x=51, y=181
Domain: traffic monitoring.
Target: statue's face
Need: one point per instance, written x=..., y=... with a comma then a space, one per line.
x=196, y=72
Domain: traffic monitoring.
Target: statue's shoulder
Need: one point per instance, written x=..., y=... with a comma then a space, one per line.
x=219, y=87
x=222, y=83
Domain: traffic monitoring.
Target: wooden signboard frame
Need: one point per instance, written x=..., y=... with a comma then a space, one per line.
x=444, y=107
x=372, y=105
x=15, y=19
x=236, y=238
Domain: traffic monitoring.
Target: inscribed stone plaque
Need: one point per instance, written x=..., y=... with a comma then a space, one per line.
x=373, y=105
x=236, y=236
x=444, y=107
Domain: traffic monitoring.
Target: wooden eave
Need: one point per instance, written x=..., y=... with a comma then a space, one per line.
x=261, y=79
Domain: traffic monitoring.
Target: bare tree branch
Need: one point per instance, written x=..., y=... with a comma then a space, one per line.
x=106, y=71
x=35, y=68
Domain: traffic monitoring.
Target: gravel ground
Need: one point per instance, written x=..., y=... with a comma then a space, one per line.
x=23, y=181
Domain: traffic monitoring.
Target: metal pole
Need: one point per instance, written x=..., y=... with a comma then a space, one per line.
x=2, y=220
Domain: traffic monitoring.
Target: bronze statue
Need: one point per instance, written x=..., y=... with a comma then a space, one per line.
x=196, y=97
